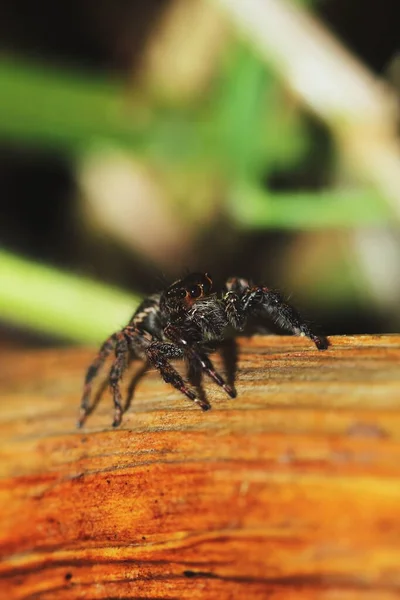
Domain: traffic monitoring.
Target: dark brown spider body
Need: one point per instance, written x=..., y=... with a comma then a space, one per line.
x=180, y=322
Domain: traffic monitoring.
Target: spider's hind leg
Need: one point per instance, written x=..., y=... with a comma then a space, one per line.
x=91, y=373
x=116, y=372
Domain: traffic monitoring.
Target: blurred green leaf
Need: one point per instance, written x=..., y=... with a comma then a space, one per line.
x=60, y=304
x=252, y=131
x=256, y=208
x=239, y=133
x=71, y=110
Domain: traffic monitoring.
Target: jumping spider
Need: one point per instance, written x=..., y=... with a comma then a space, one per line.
x=180, y=322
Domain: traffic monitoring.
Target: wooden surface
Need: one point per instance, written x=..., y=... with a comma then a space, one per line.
x=292, y=490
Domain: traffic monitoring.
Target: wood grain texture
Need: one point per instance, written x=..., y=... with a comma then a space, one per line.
x=292, y=490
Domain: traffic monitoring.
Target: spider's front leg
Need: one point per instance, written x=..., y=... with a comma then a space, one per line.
x=198, y=357
x=236, y=316
x=159, y=354
x=282, y=313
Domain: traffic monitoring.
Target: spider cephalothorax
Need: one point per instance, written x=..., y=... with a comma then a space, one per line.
x=181, y=322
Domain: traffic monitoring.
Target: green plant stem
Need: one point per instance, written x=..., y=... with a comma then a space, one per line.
x=254, y=208
x=67, y=110
x=67, y=306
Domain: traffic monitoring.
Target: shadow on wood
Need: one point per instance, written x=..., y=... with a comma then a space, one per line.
x=291, y=490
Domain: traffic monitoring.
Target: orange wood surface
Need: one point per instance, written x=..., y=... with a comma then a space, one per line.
x=292, y=490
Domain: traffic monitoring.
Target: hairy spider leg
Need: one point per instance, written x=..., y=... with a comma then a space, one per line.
x=233, y=310
x=209, y=368
x=158, y=354
x=281, y=312
x=195, y=377
x=91, y=373
x=200, y=357
x=116, y=372
x=232, y=299
x=129, y=339
x=120, y=341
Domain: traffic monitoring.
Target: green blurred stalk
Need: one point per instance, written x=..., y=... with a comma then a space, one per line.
x=77, y=112
x=71, y=110
x=255, y=208
x=60, y=304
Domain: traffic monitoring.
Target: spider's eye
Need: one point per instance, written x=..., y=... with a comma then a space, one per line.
x=181, y=293
x=195, y=291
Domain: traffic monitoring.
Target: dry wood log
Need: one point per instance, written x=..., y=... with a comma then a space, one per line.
x=291, y=490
